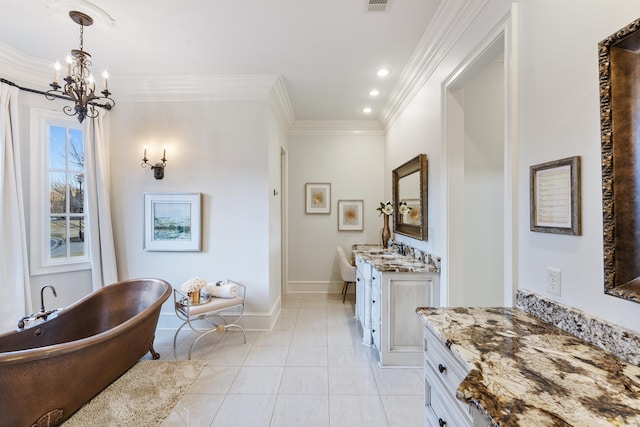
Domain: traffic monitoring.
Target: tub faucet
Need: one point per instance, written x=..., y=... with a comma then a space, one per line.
x=42, y=296
x=42, y=314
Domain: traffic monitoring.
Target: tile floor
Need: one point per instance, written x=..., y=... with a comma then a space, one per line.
x=310, y=370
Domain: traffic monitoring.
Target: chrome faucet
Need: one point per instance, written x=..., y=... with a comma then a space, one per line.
x=42, y=296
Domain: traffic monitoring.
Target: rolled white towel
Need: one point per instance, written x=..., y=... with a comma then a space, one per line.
x=224, y=290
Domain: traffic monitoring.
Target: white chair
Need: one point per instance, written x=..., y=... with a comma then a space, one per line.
x=347, y=271
x=215, y=315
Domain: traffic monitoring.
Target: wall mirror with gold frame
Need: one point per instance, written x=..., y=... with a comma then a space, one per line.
x=410, y=187
x=619, y=68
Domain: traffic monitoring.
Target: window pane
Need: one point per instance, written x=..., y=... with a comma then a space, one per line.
x=76, y=149
x=58, y=240
x=58, y=192
x=76, y=193
x=57, y=147
x=76, y=234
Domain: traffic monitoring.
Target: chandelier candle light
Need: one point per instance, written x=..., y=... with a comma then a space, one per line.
x=80, y=85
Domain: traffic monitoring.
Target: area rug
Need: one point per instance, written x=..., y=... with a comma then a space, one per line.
x=143, y=396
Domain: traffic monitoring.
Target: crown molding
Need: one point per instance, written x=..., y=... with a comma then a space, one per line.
x=24, y=70
x=449, y=22
x=336, y=127
x=281, y=104
x=149, y=88
x=28, y=71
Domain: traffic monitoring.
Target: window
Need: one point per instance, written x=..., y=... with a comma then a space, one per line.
x=58, y=222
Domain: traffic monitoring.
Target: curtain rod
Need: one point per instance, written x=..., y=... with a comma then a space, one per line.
x=39, y=92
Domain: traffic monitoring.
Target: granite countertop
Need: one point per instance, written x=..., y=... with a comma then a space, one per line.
x=386, y=260
x=526, y=372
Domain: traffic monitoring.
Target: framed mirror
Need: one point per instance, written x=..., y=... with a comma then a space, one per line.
x=410, y=189
x=619, y=68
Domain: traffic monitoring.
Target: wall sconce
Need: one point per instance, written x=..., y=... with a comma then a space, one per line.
x=158, y=168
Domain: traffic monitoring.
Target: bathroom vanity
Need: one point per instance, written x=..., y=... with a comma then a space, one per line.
x=506, y=367
x=389, y=287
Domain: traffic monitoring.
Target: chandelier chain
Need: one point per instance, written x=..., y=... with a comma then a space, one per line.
x=82, y=37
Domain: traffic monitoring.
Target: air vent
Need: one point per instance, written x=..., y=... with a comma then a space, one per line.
x=377, y=5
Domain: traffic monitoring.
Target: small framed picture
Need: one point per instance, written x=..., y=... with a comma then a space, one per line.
x=350, y=215
x=555, y=196
x=318, y=198
x=172, y=222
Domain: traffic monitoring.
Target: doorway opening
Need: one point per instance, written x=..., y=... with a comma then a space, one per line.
x=479, y=212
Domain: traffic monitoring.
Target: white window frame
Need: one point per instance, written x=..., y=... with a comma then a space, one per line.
x=40, y=254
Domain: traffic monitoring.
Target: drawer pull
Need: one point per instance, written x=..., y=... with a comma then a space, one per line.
x=448, y=344
x=373, y=301
x=441, y=422
x=441, y=368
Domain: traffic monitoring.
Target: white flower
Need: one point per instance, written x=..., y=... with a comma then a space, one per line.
x=403, y=208
x=193, y=285
x=386, y=209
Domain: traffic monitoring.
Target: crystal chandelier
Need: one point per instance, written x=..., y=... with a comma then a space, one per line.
x=79, y=84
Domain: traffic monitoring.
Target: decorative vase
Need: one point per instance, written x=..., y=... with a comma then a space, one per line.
x=386, y=232
x=194, y=297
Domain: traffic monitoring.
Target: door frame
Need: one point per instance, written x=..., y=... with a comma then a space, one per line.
x=503, y=35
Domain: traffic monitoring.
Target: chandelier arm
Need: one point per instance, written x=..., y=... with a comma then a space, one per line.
x=53, y=94
x=69, y=111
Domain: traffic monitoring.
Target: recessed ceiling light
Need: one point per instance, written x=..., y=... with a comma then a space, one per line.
x=374, y=92
x=366, y=110
x=383, y=72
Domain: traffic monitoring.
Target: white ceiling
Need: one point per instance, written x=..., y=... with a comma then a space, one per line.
x=327, y=52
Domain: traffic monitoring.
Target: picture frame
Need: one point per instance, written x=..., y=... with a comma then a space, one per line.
x=555, y=197
x=350, y=215
x=317, y=198
x=172, y=222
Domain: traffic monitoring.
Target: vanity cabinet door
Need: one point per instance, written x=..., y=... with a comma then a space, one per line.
x=401, y=330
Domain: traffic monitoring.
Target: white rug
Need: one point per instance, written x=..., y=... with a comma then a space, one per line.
x=143, y=396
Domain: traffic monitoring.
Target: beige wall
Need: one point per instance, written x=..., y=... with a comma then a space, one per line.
x=354, y=167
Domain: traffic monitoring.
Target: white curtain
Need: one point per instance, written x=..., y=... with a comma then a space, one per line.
x=101, y=247
x=15, y=290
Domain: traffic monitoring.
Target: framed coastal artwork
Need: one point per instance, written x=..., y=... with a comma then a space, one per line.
x=172, y=222
x=555, y=196
x=317, y=198
x=350, y=215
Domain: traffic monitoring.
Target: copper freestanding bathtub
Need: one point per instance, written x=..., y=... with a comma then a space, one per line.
x=47, y=372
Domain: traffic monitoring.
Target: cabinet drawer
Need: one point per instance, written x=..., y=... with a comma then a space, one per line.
x=375, y=335
x=376, y=325
x=447, y=415
x=441, y=410
x=376, y=300
x=376, y=277
x=445, y=391
x=450, y=371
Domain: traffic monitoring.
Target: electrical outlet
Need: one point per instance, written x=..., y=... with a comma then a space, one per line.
x=554, y=280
